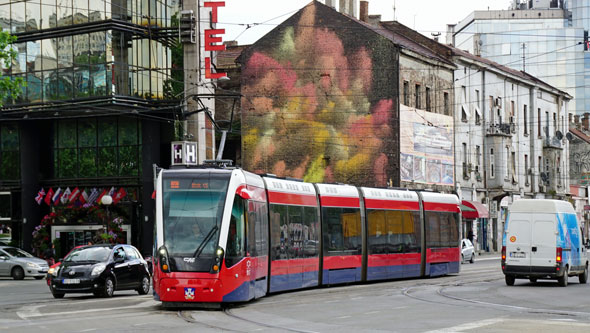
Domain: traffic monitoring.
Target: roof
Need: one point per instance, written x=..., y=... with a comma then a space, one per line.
x=580, y=134
x=393, y=31
x=541, y=206
x=227, y=58
x=521, y=74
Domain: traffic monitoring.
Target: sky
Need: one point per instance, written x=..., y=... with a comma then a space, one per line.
x=248, y=20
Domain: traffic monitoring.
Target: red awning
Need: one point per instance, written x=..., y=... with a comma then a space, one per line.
x=474, y=210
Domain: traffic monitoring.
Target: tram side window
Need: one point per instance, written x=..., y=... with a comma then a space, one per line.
x=295, y=232
x=442, y=229
x=258, y=216
x=342, y=230
x=310, y=232
x=393, y=231
x=236, y=239
x=279, y=232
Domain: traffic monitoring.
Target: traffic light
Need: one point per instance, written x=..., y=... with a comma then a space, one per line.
x=187, y=27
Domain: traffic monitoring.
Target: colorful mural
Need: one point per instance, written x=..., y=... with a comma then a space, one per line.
x=426, y=147
x=318, y=101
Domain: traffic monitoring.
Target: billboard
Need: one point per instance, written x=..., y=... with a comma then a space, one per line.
x=426, y=147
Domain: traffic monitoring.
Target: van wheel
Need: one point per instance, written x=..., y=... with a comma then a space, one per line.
x=562, y=280
x=509, y=280
x=584, y=276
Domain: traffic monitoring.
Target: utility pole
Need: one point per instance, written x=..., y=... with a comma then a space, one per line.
x=199, y=91
x=523, y=47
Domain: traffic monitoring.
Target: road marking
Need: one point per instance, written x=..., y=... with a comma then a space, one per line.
x=371, y=312
x=468, y=326
x=89, y=330
x=487, y=258
x=29, y=311
x=343, y=317
x=32, y=311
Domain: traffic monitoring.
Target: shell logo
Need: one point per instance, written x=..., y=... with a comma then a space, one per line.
x=513, y=239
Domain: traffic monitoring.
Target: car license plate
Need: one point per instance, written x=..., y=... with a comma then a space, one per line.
x=517, y=254
x=71, y=281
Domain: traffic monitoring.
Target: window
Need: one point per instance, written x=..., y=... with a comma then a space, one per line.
x=446, y=101
x=540, y=164
x=100, y=147
x=463, y=114
x=526, y=167
x=393, y=231
x=513, y=162
x=539, y=134
x=236, y=238
x=477, y=98
x=295, y=232
x=492, y=171
x=525, y=120
x=9, y=152
x=511, y=108
x=554, y=122
x=342, y=231
x=477, y=155
x=406, y=93
x=442, y=229
x=428, y=101
x=417, y=103
x=477, y=116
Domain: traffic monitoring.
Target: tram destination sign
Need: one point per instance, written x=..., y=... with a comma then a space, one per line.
x=184, y=153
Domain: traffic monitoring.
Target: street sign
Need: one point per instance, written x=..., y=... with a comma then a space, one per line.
x=493, y=209
x=184, y=153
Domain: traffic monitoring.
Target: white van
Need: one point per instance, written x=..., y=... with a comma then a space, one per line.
x=543, y=240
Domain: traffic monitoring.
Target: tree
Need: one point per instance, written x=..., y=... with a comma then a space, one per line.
x=9, y=86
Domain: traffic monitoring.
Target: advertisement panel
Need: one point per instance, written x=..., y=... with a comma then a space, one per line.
x=426, y=147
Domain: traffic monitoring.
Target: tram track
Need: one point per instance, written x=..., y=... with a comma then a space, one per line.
x=442, y=291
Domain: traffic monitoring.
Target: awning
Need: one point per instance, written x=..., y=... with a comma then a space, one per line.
x=473, y=210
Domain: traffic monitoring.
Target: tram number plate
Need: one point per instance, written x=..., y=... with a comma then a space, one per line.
x=517, y=255
x=71, y=281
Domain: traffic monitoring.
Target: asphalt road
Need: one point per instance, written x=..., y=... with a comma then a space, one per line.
x=476, y=300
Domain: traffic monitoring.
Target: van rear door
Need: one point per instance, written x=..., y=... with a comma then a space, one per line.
x=518, y=240
x=544, y=240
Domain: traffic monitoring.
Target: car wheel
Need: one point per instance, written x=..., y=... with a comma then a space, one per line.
x=109, y=287
x=533, y=280
x=144, y=288
x=562, y=280
x=584, y=276
x=509, y=280
x=472, y=260
x=18, y=273
x=462, y=259
x=57, y=295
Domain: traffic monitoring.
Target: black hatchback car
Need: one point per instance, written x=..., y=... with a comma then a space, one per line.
x=101, y=269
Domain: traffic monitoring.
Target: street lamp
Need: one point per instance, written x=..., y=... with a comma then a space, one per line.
x=107, y=200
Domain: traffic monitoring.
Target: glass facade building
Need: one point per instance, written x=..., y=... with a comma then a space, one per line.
x=545, y=42
x=95, y=107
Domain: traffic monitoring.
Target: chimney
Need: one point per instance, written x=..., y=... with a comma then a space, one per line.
x=586, y=121
x=230, y=43
x=364, y=11
x=347, y=7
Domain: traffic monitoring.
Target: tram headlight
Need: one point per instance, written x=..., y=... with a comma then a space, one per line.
x=218, y=258
x=163, y=259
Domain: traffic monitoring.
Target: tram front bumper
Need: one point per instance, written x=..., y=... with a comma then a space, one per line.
x=190, y=290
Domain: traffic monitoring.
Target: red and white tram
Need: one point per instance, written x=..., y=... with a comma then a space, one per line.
x=226, y=235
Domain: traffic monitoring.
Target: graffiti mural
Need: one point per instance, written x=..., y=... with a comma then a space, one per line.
x=318, y=101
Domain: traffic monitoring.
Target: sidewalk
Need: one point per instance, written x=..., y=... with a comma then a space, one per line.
x=484, y=255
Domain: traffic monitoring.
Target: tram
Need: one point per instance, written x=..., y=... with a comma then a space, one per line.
x=225, y=235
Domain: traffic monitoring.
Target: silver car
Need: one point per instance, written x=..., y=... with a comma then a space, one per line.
x=19, y=264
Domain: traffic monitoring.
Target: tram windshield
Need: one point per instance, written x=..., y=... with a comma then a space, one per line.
x=192, y=211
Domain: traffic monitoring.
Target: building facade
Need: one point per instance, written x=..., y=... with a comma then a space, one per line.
x=93, y=114
x=510, y=134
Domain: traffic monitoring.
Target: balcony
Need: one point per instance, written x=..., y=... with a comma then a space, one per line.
x=502, y=129
x=552, y=143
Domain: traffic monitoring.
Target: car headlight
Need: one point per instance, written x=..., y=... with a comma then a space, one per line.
x=98, y=269
x=52, y=271
x=33, y=265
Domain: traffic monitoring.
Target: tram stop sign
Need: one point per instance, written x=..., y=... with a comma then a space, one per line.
x=184, y=153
